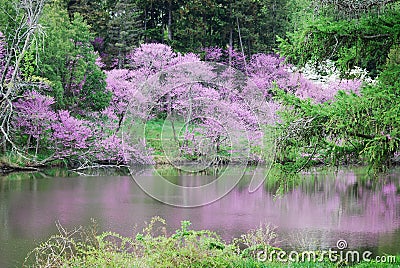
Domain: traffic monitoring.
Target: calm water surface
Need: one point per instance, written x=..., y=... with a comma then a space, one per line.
x=312, y=212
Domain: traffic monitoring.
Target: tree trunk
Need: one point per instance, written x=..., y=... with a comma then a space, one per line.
x=120, y=59
x=24, y=34
x=274, y=18
x=162, y=29
x=145, y=25
x=169, y=115
x=241, y=45
x=173, y=129
x=230, y=47
x=4, y=142
x=37, y=145
x=28, y=143
x=170, y=21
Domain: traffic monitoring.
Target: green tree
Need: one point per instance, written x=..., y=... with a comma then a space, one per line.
x=363, y=41
x=94, y=12
x=8, y=17
x=249, y=24
x=68, y=61
x=124, y=30
x=185, y=25
x=351, y=129
x=260, y=22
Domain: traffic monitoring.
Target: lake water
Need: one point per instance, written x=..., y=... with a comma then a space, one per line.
x=311, y=212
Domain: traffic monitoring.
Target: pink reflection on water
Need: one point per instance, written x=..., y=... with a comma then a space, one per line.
x=327, y=208
x=34, y=212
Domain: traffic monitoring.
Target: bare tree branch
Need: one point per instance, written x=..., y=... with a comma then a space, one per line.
x=27, y=17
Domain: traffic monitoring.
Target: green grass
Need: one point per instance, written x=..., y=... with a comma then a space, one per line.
x=159, y=133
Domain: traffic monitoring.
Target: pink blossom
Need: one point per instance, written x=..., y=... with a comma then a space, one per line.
x=33, y=113
x=69, y=133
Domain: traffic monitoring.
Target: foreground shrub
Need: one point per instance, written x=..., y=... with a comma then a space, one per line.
x=82, y=247
x=153, y=247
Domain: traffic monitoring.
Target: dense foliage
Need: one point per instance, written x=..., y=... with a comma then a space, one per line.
x=186, y=25
x=154, y=247
x=358, y=127
x=74, y=74
x=364, y=41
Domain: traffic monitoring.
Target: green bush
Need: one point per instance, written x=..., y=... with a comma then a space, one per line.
x=83, y=247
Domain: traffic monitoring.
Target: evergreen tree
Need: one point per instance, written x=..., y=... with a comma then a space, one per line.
x=124, y=30
x=350, y=41
x=186, y=25
x=272, y=21
x=94, y=12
